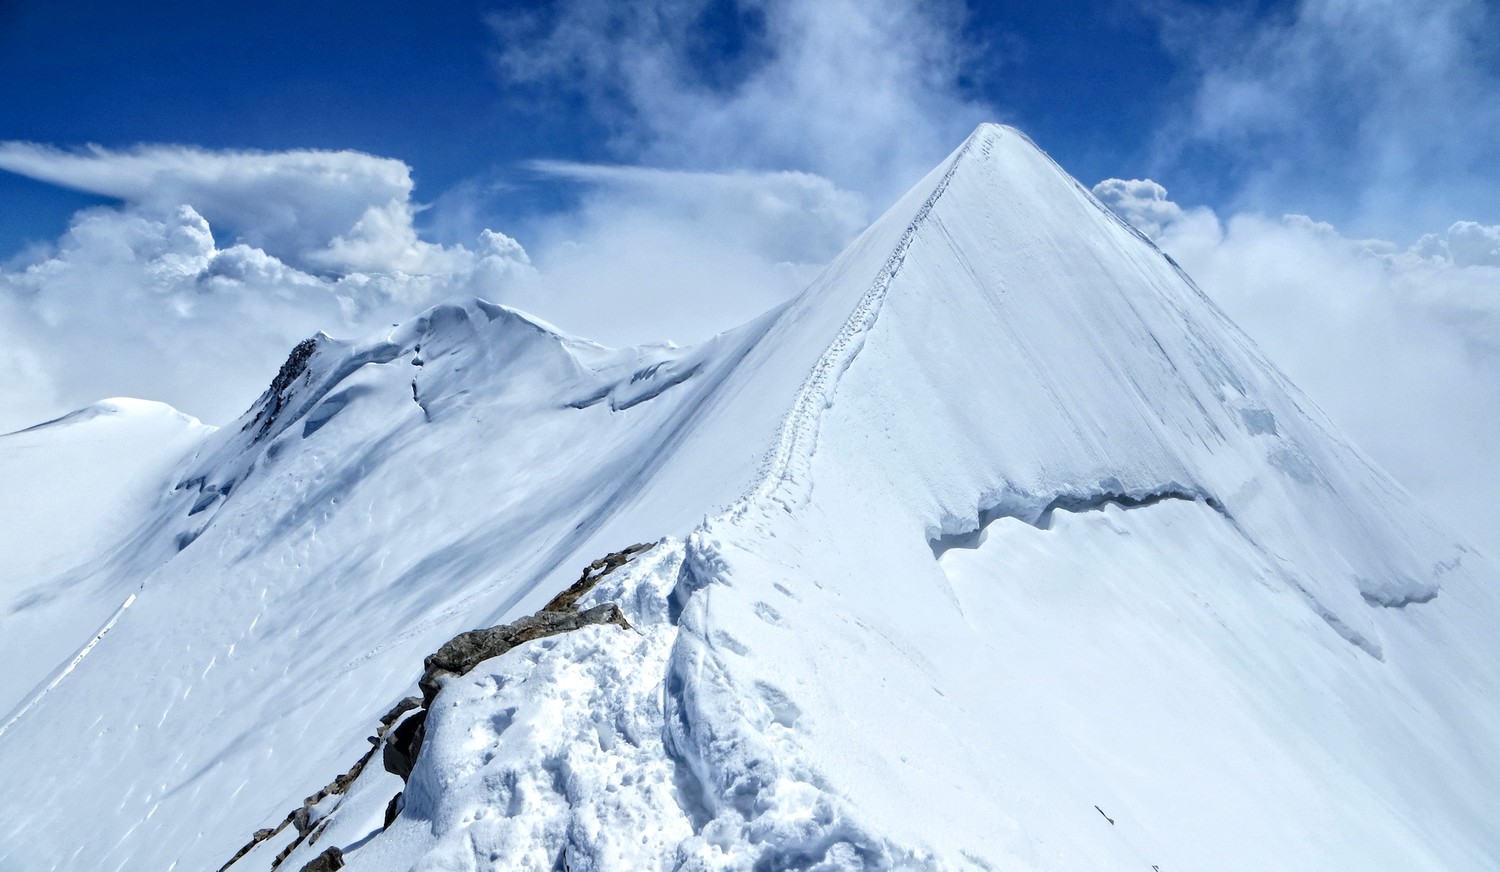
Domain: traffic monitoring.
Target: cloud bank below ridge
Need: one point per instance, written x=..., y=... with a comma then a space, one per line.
x=1400, y=344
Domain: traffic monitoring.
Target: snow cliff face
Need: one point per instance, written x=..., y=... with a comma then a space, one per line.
x=999, y=547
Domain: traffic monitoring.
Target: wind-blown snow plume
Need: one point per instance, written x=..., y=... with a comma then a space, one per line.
x=864, y=94
x=746, y=175
x=653, y=253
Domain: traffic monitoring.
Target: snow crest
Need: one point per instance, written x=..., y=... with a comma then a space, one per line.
x=796, y=440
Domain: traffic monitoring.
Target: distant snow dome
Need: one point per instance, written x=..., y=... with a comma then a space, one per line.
x=996, y=548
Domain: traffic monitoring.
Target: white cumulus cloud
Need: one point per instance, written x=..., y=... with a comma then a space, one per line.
x=318, y=210
x=1466, y=243
x=1399, y=343
x=216, y=263
x=1142, y=202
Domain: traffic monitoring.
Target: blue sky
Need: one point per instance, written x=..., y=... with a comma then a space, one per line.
x=194, y=187
x=1102, y=84
x=390, y=78
x=1090, y=81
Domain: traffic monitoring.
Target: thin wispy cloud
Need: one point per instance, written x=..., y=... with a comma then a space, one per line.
x=1379, y=114
x=865, y=94
x=741, y=174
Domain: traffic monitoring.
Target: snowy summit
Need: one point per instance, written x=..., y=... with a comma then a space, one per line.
x=997, y=548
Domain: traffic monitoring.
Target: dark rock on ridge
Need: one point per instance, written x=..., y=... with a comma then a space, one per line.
x=403, y=743
x=327, y=861
x=400, y=738
x=466, y=650
x=276, y=394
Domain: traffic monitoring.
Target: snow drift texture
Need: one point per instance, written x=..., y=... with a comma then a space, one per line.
x=997, y=548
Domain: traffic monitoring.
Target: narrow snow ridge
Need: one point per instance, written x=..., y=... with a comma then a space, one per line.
x=797, y=438
x=739, y=781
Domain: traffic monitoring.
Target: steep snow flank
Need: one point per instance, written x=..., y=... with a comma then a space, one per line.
x=797, y=438
x=836, y=698
x=1091, y=366
x=324, y=543
x=1123, y=671
x=1024, y=352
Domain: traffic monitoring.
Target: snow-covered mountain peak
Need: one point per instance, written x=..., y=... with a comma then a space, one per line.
x=122, y=407
x=998, y=547
x=1001, y=290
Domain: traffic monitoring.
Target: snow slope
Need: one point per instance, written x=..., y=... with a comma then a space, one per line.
x=73, y=490
x=997, y=548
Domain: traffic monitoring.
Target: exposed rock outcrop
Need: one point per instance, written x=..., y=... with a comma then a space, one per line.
x=561, y=615
x=401, y=730
x=303, y=819
x=403, y=743
x=327, y=861
x=276, y=395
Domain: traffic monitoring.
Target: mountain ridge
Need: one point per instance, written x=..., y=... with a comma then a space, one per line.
x=997, y=361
